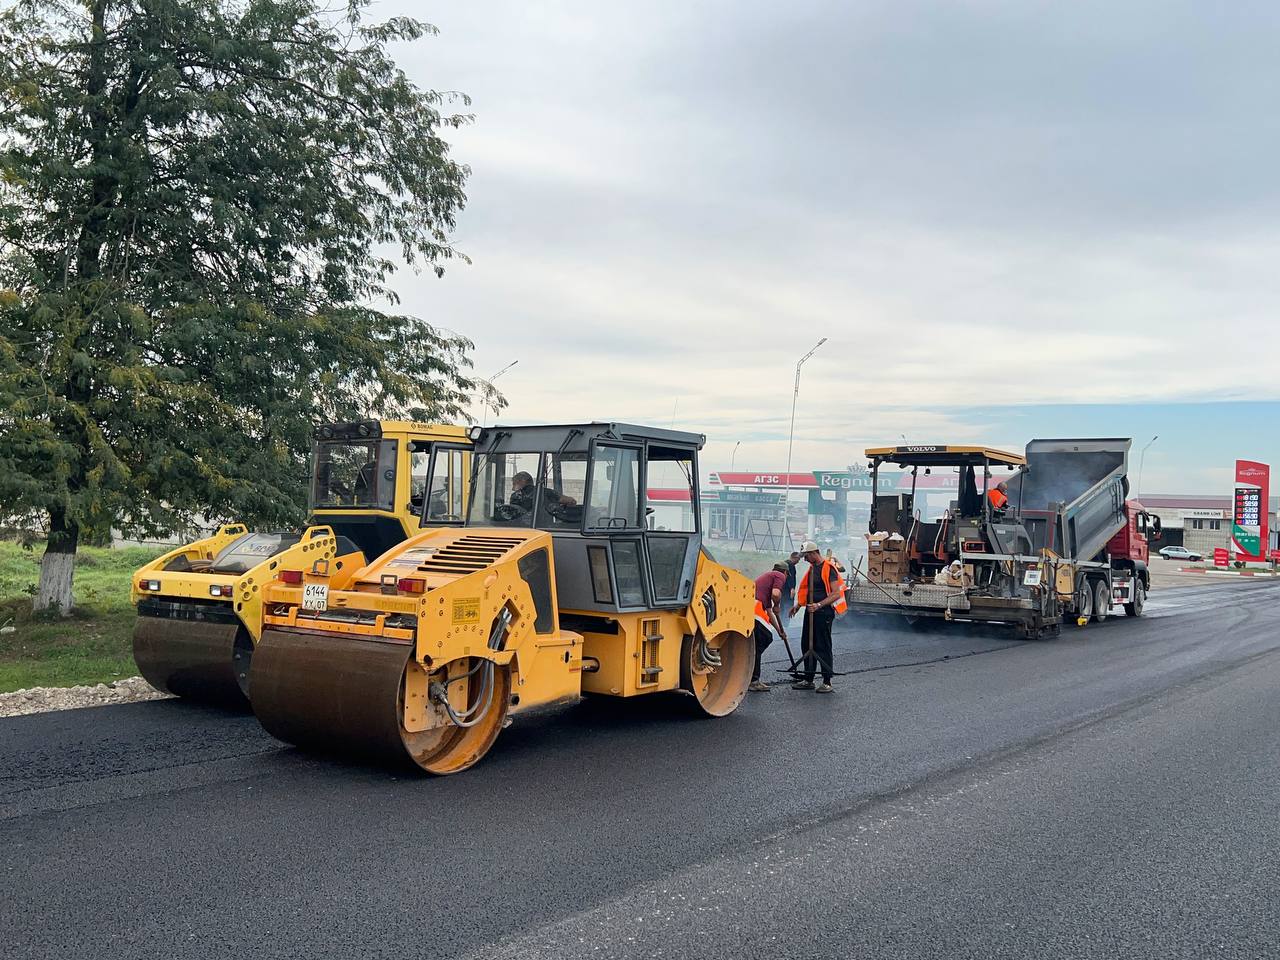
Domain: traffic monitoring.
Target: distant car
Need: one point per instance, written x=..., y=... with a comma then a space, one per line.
x=1180, y=553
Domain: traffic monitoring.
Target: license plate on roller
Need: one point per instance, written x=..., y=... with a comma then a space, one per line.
x=315, y=596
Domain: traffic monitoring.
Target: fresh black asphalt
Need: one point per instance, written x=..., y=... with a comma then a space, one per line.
x=1110, y=793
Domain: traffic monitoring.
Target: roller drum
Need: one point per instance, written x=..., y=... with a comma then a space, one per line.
x=330, y=692
x=195, y=659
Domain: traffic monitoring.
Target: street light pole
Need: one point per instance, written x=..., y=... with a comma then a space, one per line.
x=485, y=401
x=734, y=455
x=791, y=438
x=1142, y=462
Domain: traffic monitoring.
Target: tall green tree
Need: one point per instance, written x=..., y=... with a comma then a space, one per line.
x=200, y=202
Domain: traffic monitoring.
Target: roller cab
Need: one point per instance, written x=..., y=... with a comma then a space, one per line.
x=555, y=587
x=377, y=483
x=374, y=483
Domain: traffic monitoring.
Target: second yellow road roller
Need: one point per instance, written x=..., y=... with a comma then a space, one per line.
x=566, y=579
x=374, y=483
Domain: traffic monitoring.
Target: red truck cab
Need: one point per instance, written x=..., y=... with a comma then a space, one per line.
x=1132, y=541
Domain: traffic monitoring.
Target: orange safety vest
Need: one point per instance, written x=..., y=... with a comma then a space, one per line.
x=997, y=497
x=831, y=579
x=762, y=614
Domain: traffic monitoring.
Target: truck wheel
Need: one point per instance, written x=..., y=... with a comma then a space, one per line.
x=1084, y=602
x=1134, y=607
x=1101, y=601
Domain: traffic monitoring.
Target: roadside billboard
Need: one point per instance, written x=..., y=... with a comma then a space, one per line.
x=797, y=481
x=1249, y=528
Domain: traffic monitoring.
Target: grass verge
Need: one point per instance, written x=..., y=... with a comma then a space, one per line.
x=93, y=644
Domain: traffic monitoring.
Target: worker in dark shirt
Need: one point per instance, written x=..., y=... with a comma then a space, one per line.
x=524, y=493
x=821, y=595
x=768, y=596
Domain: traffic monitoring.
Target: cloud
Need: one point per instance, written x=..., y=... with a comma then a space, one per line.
x=980, y=204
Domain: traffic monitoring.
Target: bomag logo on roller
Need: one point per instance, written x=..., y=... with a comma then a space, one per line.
x=466, y=610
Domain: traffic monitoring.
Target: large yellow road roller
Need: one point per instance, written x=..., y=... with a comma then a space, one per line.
x=563, y=581
x=373, y=485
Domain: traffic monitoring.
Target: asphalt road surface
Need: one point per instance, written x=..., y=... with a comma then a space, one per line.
x=1112, y=793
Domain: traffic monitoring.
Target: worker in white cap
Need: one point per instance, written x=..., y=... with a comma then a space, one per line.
x=820, y=596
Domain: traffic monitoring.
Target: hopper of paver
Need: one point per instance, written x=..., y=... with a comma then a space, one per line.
x=1077, y=486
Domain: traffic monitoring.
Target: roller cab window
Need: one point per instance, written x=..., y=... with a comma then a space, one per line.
x=614, y=501
x=540, y=490
x=671, y=527
x=673, y=468
x=355, y=474
x=419, y=473
x=560, y=496
x=505, y=489
x=445, y=502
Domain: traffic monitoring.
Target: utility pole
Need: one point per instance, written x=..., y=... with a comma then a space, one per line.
x=791, y=438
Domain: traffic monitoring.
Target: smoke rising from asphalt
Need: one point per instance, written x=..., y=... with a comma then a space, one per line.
x=1062, y=477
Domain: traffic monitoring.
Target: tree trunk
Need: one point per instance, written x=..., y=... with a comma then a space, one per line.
x=58, y=567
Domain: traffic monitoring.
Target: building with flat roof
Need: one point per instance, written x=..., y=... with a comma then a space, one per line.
x=1198, y=522
x=743, y=505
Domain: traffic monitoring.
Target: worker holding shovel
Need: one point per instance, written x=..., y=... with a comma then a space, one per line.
x=768, y=596
x=820, y=596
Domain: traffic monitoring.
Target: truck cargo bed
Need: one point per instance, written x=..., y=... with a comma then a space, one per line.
x=1087, y=479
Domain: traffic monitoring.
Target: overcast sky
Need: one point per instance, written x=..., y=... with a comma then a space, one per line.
x=980, y=204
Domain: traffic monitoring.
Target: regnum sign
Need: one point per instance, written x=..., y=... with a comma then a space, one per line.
x=842, y=480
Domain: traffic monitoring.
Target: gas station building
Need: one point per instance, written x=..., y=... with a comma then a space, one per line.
x=747, y=508
x=825, y=505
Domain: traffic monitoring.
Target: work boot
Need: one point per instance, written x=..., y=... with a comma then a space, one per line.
x=825, y=687
x=802, y=685
x=758, y=686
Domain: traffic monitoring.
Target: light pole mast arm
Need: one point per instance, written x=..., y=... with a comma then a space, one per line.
x=1142, y=462
x=791, y=436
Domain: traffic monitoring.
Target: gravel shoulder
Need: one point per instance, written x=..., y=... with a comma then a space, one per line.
x=43, y=699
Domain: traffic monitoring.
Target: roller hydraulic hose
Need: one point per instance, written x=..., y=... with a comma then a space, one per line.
x=477, y=711
x=708, y=656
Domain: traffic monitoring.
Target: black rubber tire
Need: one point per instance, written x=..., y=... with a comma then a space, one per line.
x=1135, y=606
x=1101, y=601
x=1084, y=601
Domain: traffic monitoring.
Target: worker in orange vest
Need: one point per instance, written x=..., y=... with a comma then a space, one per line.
x=820, y=594
x=999, y=497
x=769, y=588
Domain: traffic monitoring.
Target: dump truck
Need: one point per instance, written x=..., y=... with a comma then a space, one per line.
x=373, y=484
x=556, y=586
x=1067, y=544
